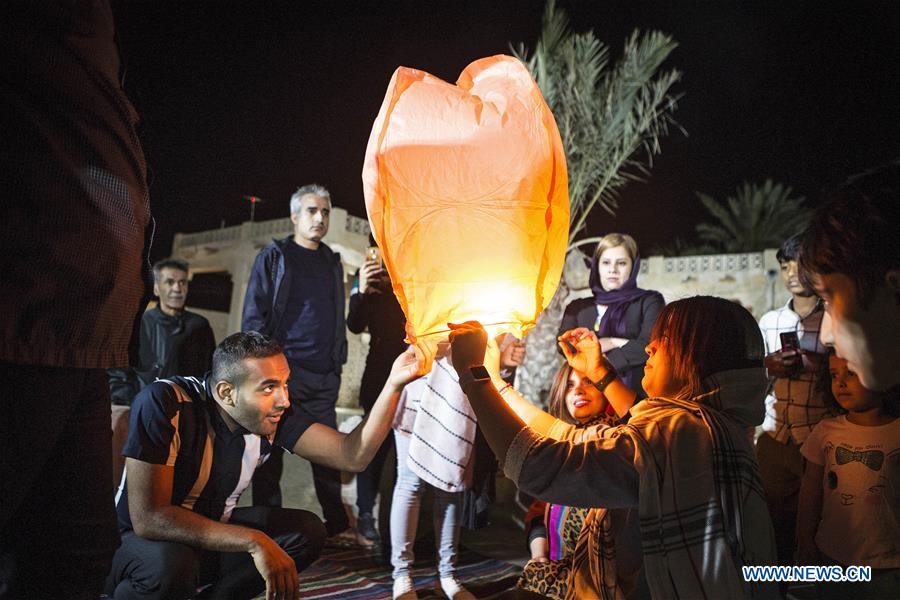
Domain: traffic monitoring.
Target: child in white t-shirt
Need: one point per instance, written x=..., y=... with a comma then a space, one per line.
x=849, y=510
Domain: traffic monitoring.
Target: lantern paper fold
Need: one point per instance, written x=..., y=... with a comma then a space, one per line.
x=467, y=196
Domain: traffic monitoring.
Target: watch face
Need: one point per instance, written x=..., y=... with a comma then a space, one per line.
x=479, y=372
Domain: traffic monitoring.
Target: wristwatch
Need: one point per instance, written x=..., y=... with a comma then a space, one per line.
x=607, y=379
x=476, y=373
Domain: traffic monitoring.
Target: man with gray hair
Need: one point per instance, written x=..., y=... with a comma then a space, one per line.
x=295, y=295
x=173, y=340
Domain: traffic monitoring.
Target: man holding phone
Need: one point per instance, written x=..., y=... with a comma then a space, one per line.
x=794, y=405
x=374, y=307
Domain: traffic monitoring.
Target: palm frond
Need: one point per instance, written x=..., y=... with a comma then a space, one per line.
x=758, y=216
x=610, y=118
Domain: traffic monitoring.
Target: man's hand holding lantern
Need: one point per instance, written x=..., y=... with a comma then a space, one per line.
x=513, y=354
x=411, y=364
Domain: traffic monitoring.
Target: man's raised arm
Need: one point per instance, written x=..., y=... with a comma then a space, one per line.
x=354, y=451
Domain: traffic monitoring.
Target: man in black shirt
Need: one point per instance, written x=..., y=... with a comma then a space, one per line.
x=295, y=295
x=173, y=341
x=192, y=449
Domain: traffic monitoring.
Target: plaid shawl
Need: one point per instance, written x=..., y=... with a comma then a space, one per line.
x=701, y=503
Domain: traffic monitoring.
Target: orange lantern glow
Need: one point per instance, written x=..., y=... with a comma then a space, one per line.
x=467, y=196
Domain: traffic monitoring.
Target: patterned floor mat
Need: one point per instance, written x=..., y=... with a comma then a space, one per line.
x=355, y=573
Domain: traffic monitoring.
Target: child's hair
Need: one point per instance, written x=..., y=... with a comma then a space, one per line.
x=556, y=404
x=704, y=335
x=789, y=250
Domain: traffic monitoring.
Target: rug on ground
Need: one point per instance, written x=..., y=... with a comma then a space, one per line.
x=355, y=573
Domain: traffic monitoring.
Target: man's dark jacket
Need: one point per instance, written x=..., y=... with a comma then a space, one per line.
x=169, y=346
x=269, y=289
x=382, y=316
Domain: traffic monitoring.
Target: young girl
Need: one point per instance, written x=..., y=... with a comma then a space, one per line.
x=553, y=529
x=850, y=496
x=422, y=418
x=684, y=461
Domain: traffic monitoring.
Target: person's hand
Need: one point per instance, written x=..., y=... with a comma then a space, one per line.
x=468, y=344
x=411, y=364
x=784, y=364
x=371, y=274
x=586, y=357
x=540, y=549
x=513, y=355
x=278, y=569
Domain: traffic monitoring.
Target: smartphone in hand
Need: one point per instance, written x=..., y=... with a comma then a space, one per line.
x=789, y=341
x=373, y=253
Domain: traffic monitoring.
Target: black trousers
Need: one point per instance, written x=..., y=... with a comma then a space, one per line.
x=367, y=480
x=316, y=395
x=373, y=379
x=57, y=519
x=151, y=569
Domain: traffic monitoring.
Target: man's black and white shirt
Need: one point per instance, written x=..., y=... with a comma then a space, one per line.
x=175, y=422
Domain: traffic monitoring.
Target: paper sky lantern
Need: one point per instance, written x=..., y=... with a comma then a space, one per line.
x=467, y=197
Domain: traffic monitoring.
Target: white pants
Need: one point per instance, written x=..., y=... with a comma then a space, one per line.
x=405, y=517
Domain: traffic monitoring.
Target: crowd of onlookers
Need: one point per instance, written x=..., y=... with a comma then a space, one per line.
x=683, y=442
x=826, y=451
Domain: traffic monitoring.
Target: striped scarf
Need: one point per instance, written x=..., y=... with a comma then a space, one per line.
x=441, y=424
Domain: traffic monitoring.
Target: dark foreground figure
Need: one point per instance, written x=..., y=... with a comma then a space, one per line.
x=75, y=209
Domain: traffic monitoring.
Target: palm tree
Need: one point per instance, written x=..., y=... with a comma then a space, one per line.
x=611, y=119
x=759, y=216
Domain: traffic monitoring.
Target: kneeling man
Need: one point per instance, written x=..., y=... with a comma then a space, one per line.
x=192, y=449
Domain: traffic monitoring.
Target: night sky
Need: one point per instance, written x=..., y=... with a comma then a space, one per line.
x=257, y=98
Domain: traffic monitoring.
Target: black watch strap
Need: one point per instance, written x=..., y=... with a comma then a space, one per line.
x=606, y=380
x=476, y=373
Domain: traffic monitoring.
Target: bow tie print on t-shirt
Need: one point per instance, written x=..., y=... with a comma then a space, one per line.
x=870, y=458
